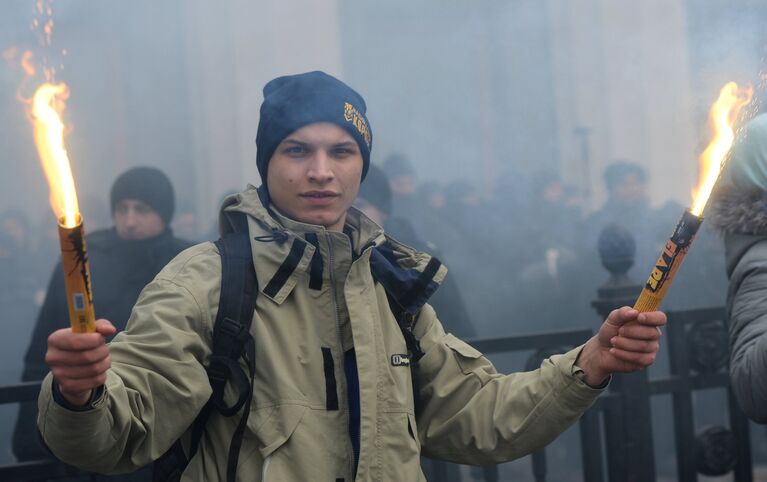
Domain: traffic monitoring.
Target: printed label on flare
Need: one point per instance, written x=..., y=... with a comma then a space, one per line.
x=74, y=262
x=673, y=252
x=663, y=267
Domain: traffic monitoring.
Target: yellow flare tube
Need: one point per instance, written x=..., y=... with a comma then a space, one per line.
x=77, y=278
x=668, y=263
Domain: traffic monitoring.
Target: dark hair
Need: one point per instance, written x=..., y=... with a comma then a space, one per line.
x=543, y=179
x=619, y=170
x=456, y=191
x=398, y=165
x=375, y=190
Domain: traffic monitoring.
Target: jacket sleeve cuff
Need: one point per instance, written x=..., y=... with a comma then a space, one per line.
x=64, y=429
x=96, y=395
x=569, y=369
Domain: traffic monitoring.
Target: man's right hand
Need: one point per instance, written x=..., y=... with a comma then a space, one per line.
x=79, y=361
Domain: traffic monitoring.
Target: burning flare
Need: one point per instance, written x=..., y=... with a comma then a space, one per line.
x=47, y=106
x=724, y=112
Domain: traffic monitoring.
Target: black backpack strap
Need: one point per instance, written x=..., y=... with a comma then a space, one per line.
x=232, y=342
x=407, y=290
x=231, y=330
x=406, y=322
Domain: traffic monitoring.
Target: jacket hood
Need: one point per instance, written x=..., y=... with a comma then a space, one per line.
x=741, y=216
x=736, y=246
x=254, y=203
x=249, y=202
x=739, y=211
x=747, y=165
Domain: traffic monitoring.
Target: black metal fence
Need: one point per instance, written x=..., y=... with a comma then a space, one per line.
x=617, y=442
x=36, y=470
x=697, y=345
x=696, y=342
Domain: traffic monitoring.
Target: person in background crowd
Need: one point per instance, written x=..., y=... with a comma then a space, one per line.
x=464, y=204
x=123, y=259
x=20, y=285
x=550, y=272
x=739, y=211
x=471, y=226
x=432, y=218
x=186, y=224
x=402, y=180
x=627, y=202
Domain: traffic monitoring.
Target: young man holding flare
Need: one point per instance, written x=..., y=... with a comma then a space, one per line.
x=342, y=390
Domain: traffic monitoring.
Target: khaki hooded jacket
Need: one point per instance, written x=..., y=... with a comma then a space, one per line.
x=299, y=424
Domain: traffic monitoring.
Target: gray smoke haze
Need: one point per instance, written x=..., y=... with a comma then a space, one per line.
x=509, y=97
x=466, y=91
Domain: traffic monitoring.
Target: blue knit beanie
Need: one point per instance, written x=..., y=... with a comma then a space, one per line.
x=294, y=101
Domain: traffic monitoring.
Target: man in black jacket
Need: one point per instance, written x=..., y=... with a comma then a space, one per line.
x=123, y=259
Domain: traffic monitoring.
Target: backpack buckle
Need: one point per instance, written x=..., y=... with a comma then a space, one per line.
x=221, y=370
x=232, y=328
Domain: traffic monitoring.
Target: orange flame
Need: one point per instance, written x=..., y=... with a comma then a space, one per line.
x=47, y=106
x=722, y=116
x=26, y=63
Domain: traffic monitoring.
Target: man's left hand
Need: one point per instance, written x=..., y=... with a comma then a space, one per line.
x=626, y=342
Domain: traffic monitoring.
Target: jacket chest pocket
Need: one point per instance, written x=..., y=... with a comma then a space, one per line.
x=296, y=442
x=270, y=430
x=469, y=359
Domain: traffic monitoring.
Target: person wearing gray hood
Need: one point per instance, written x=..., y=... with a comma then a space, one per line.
x=739, y=212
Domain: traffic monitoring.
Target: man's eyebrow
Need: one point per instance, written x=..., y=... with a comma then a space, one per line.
x=294, y=141
x=345, y=144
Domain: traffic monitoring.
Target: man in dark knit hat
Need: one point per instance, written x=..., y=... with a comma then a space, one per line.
x=123, y=259
x=342, y=348
x=402, y=181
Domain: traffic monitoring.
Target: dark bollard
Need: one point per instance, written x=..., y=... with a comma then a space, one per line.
x=539, y=466
x=628, y=427
x=490, y=473
x=715, y=451
x=739, y=426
